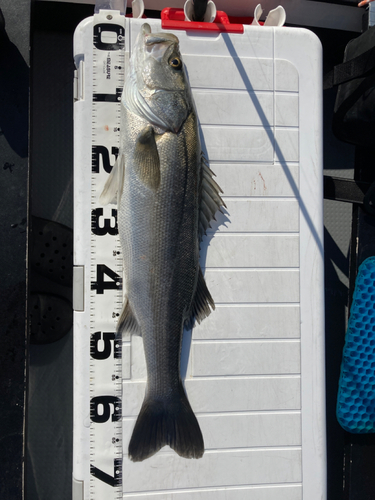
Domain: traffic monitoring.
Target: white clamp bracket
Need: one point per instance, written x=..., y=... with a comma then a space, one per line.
x=276, y=17
x=138, y=8
x=209, y=16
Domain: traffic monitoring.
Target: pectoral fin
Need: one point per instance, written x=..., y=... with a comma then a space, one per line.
x=146, y=159
x=112, y=190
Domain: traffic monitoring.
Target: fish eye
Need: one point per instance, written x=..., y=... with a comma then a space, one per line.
x=175, y=62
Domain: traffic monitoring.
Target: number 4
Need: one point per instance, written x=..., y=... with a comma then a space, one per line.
x=100, y=285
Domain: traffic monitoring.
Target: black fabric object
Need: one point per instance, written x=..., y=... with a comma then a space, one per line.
x=200, y=7
x=354, y=112
x=346, y=190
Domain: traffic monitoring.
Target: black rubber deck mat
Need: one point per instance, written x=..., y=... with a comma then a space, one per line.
x=50, y=317
x=51, y=252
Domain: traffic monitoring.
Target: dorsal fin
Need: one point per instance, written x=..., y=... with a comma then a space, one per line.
x=210, y=199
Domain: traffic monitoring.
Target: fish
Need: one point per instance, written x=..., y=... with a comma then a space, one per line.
x=166, y=198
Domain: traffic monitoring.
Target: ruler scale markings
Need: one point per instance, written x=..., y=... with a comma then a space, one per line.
x=106, y=265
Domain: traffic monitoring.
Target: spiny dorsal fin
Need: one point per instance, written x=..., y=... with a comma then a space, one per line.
x=146, y=158
x=112, y=190
x=210, y=199
x=202, y=302
x=127, y=321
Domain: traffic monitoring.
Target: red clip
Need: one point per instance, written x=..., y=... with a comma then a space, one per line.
x=174, y=19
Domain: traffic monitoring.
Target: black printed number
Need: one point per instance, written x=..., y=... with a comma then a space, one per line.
x=102, y=153
x=100, y=285
x=119, y=32
x=104, y=404
x=114, y=480
x=108, y=98
x=100, y=227
x=105, y=349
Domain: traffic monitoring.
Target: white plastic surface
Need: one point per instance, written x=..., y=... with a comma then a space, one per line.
x=137, y=8
x=255, y=373
x=210, y=13
x=81, y=253
x=275, y=17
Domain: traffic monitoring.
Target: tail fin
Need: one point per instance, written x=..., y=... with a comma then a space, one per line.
x=162, y=422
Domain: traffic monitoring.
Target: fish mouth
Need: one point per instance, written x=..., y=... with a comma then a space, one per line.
x=155, y=38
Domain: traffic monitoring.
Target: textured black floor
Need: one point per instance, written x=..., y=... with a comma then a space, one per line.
x=14, y=86
x=50, y=397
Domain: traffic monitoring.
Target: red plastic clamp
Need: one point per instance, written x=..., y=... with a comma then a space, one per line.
x=175, y=19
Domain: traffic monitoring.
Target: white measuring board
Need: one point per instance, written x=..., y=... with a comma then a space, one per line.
x=254, y=369
x=100, y=60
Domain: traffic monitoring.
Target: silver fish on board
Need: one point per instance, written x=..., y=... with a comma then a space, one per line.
x=167, y=198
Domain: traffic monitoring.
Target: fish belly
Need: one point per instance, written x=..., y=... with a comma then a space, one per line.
x=159, y=237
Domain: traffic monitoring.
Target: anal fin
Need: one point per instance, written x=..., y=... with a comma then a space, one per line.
x=127, y=321
x=202, y=302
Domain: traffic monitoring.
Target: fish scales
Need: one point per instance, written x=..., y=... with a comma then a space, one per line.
x=158, y=230
x=166, y=198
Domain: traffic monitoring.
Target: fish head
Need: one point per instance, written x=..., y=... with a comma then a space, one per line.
x=159, y=61
x=160, y=77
